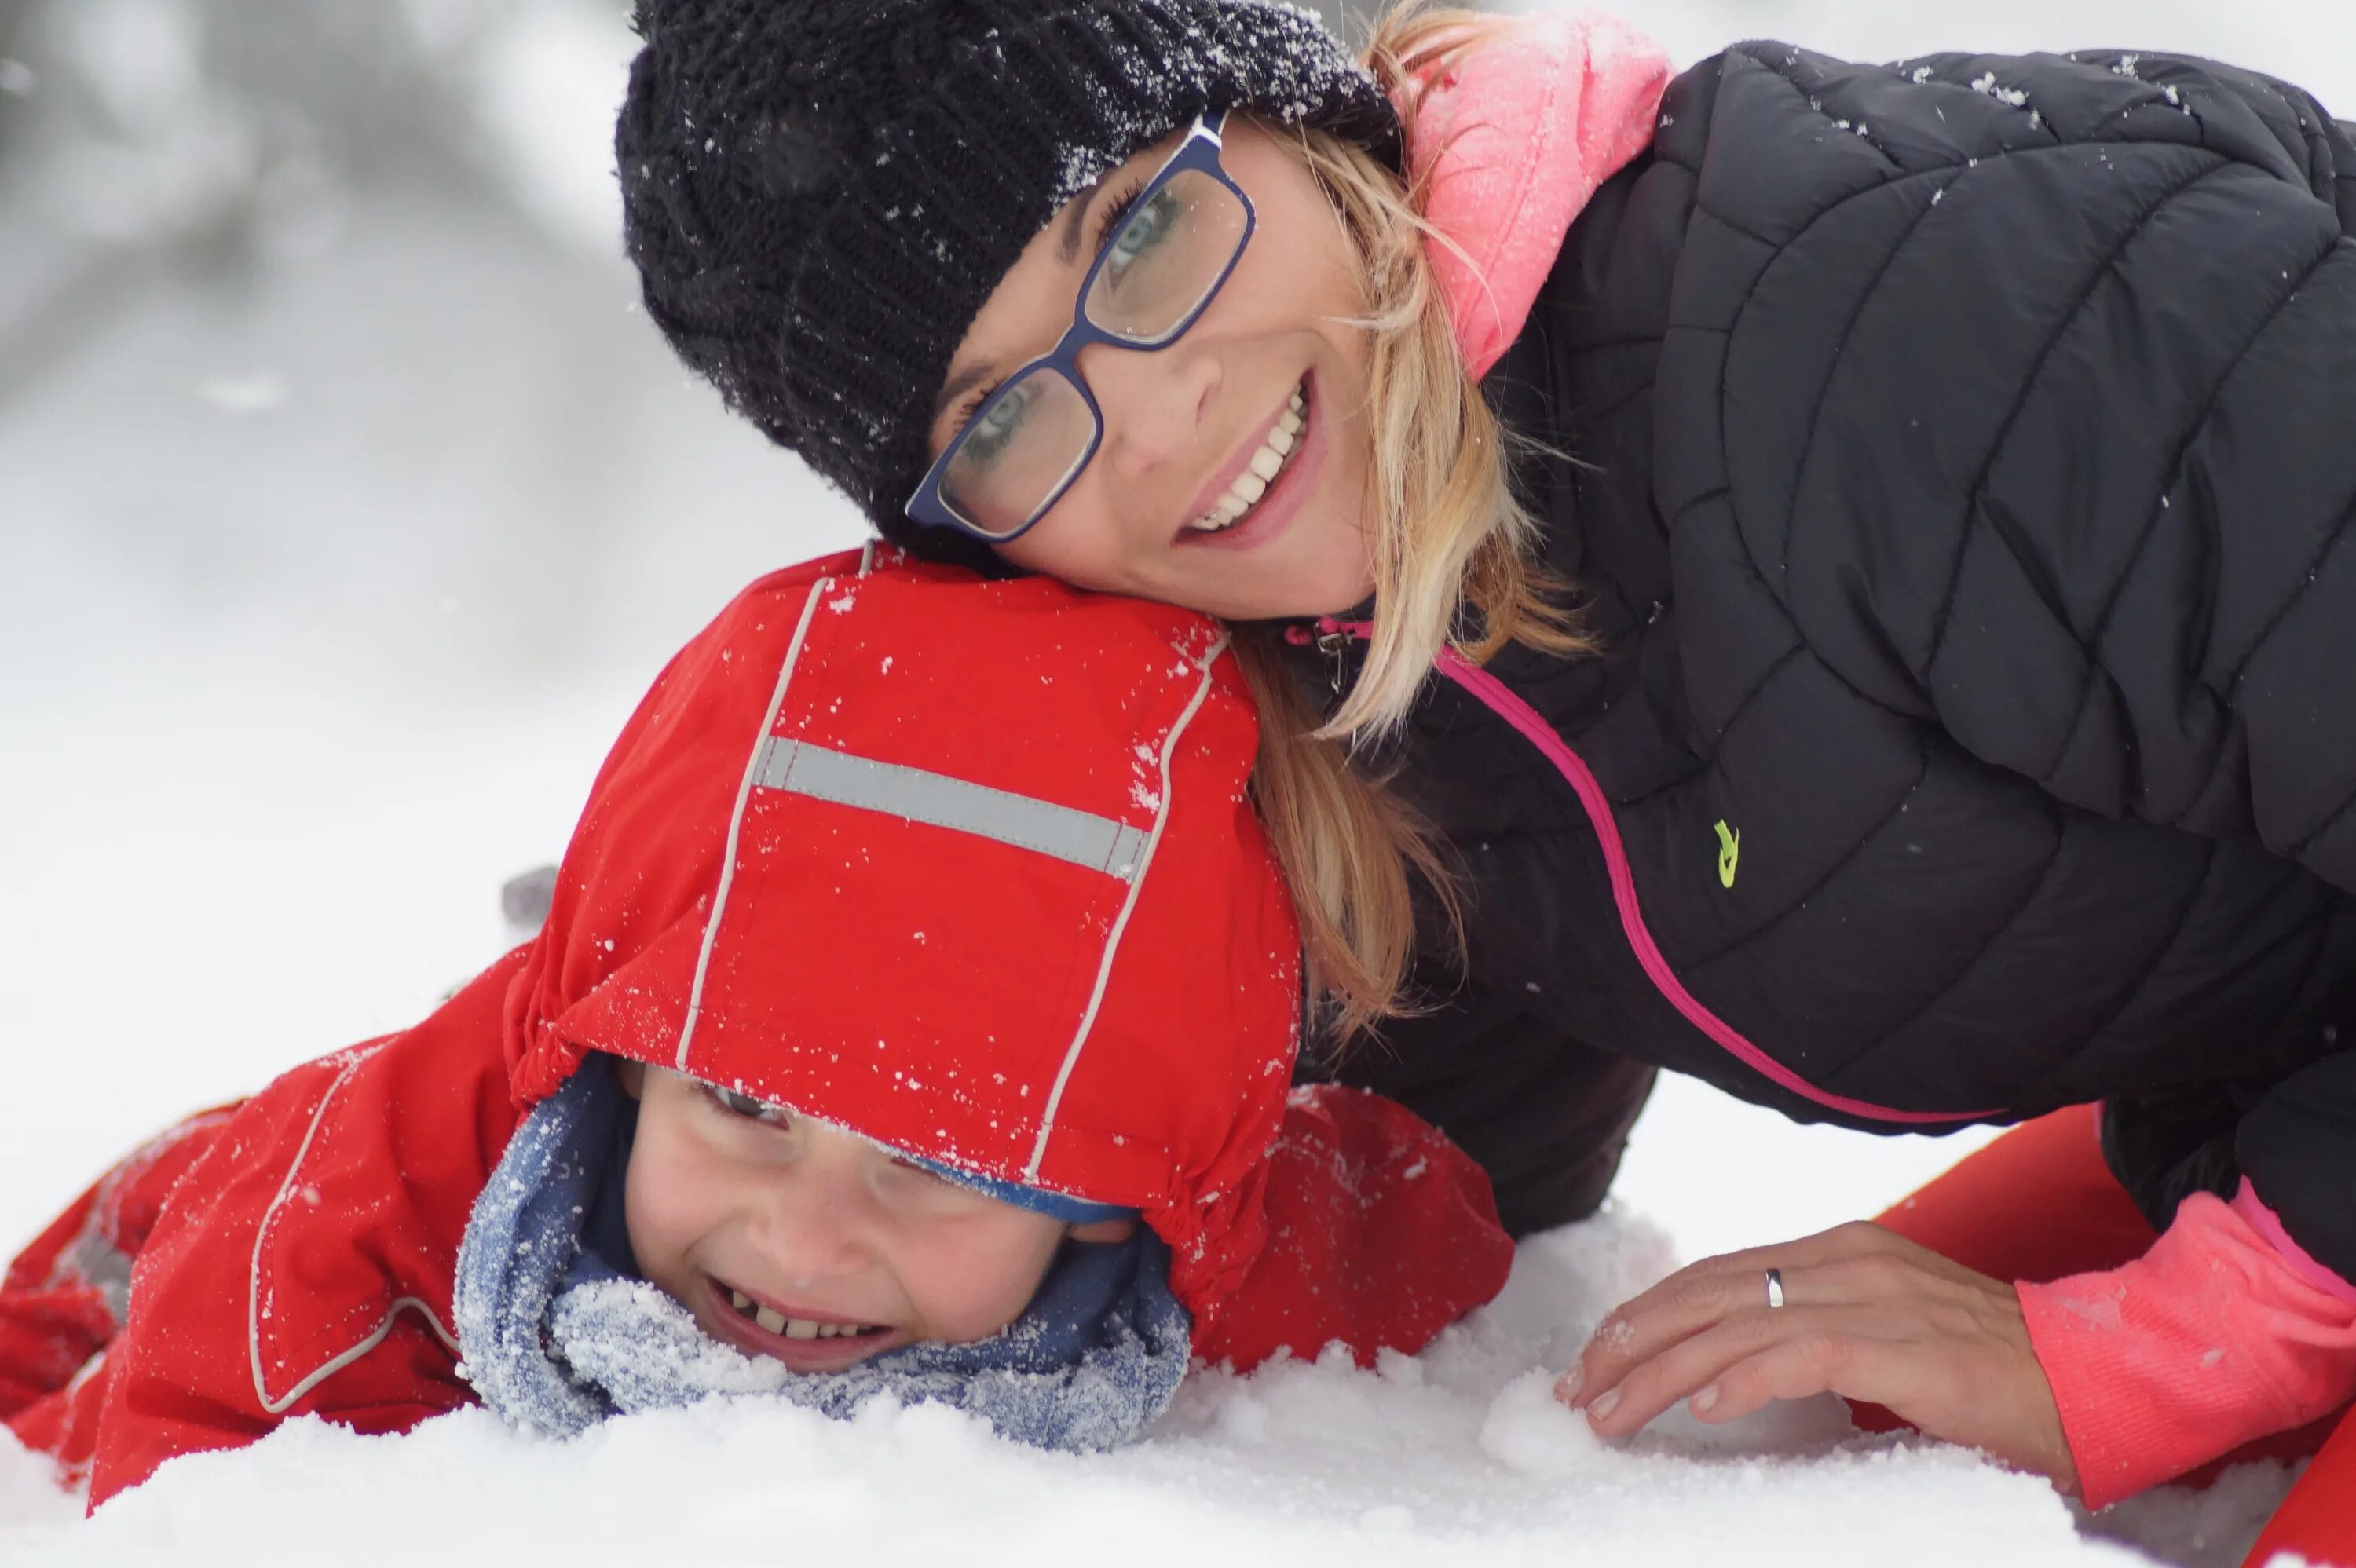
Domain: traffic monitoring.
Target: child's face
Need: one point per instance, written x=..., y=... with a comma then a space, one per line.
x=790, y=1237
x=1181, y=422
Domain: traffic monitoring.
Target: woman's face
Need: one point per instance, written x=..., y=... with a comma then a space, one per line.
x=1156, y=513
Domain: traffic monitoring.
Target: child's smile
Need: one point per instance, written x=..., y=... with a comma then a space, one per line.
x=804, y=1338
x=793, y=1239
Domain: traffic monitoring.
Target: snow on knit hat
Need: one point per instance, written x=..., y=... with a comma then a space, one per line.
x=821, y=194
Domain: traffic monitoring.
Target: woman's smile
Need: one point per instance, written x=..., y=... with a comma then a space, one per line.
x=1258, y=491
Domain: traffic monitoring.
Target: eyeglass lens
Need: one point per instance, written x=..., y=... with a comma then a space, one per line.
x=1157, y=271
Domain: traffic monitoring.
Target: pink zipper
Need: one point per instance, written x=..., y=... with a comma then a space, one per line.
x=1500, y=700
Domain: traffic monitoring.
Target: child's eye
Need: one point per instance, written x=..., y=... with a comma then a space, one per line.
x=742, y=1104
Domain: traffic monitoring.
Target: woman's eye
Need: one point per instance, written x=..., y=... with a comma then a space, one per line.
x=1147, y=229
x=998, y=427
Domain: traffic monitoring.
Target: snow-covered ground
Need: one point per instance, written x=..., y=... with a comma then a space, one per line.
x=324, y=583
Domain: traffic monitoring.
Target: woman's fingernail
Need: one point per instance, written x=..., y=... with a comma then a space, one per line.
x=1603, y=1402
x=1703, y=1400
x=1566, y=1387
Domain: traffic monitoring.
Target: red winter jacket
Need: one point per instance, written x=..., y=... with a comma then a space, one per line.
x=966, y=867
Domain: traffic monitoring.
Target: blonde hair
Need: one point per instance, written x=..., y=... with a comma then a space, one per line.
x=1453, y=556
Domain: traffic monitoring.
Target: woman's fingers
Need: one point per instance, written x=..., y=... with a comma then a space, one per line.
x=1809, y=1362
x=1684, y=1303
x=1866, y=1316
x=1796, y=1337
x=1707, y=1293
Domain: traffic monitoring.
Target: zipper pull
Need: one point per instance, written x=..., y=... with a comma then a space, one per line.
x=1335, y=645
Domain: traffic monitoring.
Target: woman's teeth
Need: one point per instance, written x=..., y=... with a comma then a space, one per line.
x=1266, y=464
x=777, y=1322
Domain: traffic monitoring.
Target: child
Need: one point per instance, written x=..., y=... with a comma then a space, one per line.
x=1951, y=459
x=916, y=1013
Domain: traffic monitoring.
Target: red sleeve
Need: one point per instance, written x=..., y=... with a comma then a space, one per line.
x=1380, y=1233
x=63, y=1299
x=2220, y=1334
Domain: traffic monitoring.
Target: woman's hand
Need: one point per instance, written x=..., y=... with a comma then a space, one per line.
x=1866, y=1315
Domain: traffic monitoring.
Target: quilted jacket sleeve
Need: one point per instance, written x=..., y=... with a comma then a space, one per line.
x=2036, y=421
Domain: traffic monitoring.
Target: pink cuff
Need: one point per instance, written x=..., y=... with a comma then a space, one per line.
x=2223, y=1332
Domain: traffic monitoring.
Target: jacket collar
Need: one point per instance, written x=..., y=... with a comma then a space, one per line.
x=1509, y=139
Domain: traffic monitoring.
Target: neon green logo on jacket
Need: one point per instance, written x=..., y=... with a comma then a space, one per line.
x=1729, y=850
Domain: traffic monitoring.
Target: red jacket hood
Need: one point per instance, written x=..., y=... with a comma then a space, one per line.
x=968, y=867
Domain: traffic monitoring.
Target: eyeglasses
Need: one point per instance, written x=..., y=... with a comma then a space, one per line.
x=1024, y=447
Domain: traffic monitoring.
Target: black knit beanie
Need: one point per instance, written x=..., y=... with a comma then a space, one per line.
x=819, y=194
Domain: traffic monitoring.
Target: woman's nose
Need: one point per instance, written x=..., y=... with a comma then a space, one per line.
x=1152, y=401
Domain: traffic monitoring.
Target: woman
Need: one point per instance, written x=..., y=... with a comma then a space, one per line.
x=1944, y=726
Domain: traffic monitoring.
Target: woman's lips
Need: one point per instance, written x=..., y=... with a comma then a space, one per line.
x=1286, y=494
x=801, y=1355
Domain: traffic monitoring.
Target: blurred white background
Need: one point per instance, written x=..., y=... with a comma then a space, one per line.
x=346, y=504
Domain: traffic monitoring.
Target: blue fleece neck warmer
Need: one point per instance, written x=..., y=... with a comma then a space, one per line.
x=555, y=1338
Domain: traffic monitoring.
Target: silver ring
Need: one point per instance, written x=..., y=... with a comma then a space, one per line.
x=1774, y=1288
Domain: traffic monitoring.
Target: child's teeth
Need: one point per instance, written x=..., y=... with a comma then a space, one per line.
x=1267, y=461
x=799, y=1328
x=770, y=1319
x=1249, y=486
x=739, y=1300
x=1280, y=440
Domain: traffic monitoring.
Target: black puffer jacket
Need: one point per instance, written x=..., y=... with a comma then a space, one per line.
x=1961, y=459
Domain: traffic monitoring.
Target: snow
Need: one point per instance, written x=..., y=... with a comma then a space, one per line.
x=329, y=569
x=1455, y=1457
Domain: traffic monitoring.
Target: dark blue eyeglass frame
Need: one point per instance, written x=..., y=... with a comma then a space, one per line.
x=1199, y=151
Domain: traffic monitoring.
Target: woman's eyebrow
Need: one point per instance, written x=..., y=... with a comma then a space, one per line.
x=958, y=385
x=1067, y=251
x=1076, y=222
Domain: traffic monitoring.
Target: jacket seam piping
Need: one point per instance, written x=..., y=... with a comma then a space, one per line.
x=1517, y=715
x=338, y=1363
x=2094, y=642
x=736, y=819
x=1120, y=922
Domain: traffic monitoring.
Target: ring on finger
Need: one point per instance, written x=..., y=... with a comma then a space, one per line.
x=1774, y=1288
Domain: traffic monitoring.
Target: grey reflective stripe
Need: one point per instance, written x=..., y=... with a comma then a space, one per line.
x=1082, y=838
x=101, y=1266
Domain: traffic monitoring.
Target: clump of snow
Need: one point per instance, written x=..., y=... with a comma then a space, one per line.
x=1534, y=1434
